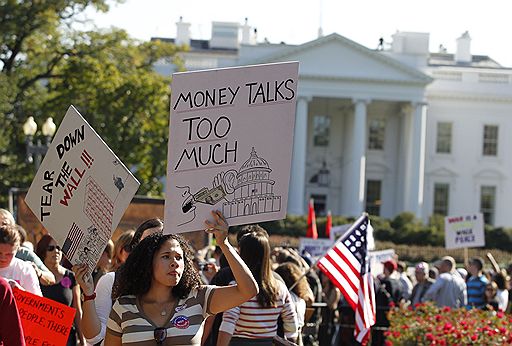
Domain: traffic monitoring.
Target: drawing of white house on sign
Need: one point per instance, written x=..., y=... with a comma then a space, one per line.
x=254, y=190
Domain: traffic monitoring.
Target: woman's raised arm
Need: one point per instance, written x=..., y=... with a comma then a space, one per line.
x=246, y=287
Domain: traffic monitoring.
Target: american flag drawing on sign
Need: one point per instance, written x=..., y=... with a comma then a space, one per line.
x=348, y=266
x=72, y=241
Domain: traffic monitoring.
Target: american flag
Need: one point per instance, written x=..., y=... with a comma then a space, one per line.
x=348, y=266
x=72, y=241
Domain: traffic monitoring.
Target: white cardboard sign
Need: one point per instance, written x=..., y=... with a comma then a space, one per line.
x=464, y=231
x=315, y=247
x=81, y=190
x=230, y=145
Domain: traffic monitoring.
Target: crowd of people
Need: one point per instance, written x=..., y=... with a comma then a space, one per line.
x=149, y=288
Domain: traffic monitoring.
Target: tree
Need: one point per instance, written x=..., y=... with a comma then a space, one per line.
x=46, y=65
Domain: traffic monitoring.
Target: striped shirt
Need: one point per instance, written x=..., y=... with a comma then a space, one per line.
x=184, y=326
x=251, y=320
x=476, y=291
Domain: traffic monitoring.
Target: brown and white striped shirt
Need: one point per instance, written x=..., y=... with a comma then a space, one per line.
x=184, y=327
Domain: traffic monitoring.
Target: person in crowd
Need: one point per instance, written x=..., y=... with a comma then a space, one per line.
x=159, y=288
x=449, y=289
x=14, y=269
x=423, y=283
x=331, y=296
x=491, y=301
x=104, y=262
x=224, y=277
x=11, y=330
x=387, y=293
x=65, y=291
x=25, y=253
x=6, y=218
x=433, y=273
x=403, y=279
x=476, y=283
x=301, y=293
x=98, y=303
x=501, y=279
x=24, y=243
x=44, y=274
x=256, y=319
x=121, y=249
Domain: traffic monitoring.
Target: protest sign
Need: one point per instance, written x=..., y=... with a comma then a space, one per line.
x=230, y=145
x=464, y=231
x=80, y=191
x=315, y=247
x=377, y=257
x=338, y=231
x=45, y=322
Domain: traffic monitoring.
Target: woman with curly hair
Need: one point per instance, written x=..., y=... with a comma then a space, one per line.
x=159, y=293
x=97, y=302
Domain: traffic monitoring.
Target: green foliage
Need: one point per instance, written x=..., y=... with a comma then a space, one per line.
x=46, y=66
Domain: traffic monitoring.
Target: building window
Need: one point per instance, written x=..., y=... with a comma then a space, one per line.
x=441, y=199
x=377, y=128
x=373, y=198
x=321, y=130
x=487, y=203
x=490, y=140
x=444, y=138
x=320, y=203
x=322, y=177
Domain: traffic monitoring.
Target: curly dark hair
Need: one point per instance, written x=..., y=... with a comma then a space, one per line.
x=135, y=276
x=150, y=223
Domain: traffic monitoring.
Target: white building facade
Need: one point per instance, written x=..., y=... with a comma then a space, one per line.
x=388, y=130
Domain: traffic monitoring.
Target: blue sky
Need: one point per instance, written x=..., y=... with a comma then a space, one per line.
x=297, y=21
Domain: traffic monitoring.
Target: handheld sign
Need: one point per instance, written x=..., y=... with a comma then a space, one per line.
x=230, y=145
x=80, y=191
x=45, y=322
x=464, y=231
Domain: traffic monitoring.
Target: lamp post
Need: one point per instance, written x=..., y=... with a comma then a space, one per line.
x=36, y=151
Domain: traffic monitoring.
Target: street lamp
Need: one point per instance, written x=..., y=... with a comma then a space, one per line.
x=38, y=149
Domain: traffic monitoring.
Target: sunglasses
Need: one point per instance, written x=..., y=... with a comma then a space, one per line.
x=52, y=247
x=160, y=334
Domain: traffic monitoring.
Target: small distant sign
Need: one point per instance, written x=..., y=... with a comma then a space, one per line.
x=315, y=247
x=464, y=231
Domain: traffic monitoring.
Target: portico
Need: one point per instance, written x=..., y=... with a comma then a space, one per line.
x=346, y=126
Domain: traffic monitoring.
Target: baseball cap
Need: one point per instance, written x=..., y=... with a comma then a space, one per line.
x=390, y=265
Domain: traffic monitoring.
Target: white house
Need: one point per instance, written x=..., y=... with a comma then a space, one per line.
x=387, y=130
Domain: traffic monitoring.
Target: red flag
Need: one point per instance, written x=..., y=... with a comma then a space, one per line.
x=311, y=231
x=347, y=265
x=328, y=225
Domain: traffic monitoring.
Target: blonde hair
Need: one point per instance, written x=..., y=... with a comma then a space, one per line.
x=7, y=217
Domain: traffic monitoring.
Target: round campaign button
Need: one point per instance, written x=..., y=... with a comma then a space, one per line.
x=181, y=322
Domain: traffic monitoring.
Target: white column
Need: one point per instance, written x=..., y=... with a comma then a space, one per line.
x=296, y=196
x=357, y=170
x=417, y=160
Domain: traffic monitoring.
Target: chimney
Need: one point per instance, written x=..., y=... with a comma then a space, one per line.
x=463, y=53
x=182, y=33
x=247, y=37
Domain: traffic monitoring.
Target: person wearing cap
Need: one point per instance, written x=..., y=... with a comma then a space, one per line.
x=476, y=283
x=423, y=283
x=449, y=288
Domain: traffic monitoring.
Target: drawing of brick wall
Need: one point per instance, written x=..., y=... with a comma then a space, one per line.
x=98, y=208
